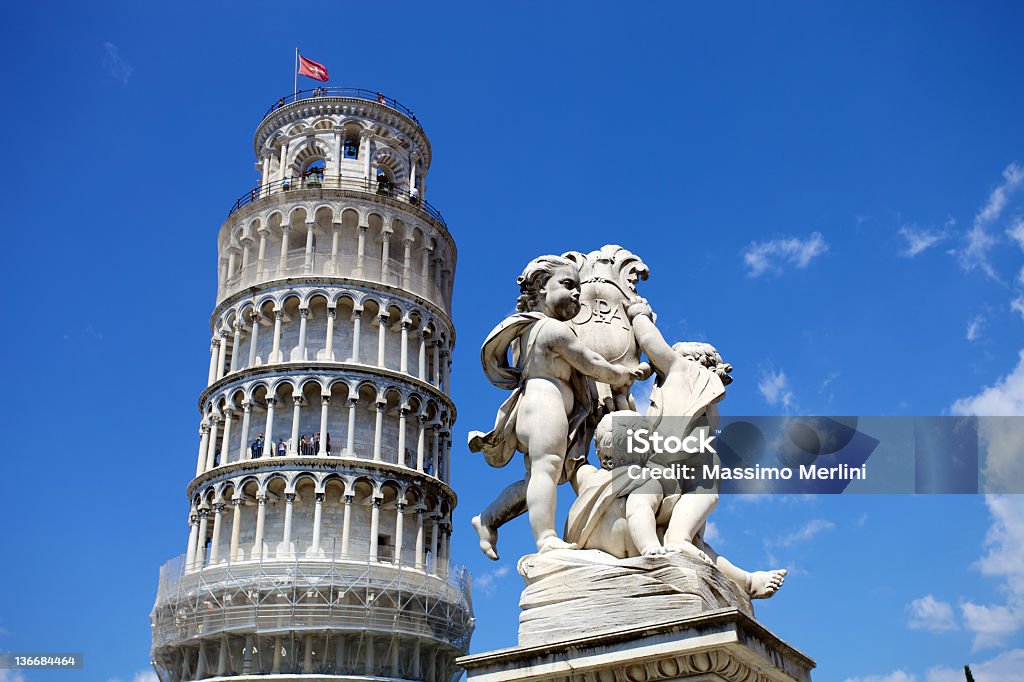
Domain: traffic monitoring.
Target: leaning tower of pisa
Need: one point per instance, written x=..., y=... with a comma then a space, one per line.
x=319, y=517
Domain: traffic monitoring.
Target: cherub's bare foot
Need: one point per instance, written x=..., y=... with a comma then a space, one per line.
x=689, y=550
x=553, y=542
x=488, y=538
x=654, y=550
x=764, y=584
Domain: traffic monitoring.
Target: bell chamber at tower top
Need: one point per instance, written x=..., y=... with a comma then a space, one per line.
x=341, y=193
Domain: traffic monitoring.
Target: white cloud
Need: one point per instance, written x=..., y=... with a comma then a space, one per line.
x=896, y=676
x=11, y=676
x=928, y=613
x=1017, y=304
x=487, y=583
x=979, y=241
x=1006, y=667
x=145, y=676
x=992, y=624
x=974, y=327
x=774, y=388
x=117, y=68
x=1004, y=398
x=1016, y=232
x=774, y=256
x=802, y=534
x=919, y=240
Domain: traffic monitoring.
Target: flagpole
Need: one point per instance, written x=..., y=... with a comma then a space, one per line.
x=295, y=89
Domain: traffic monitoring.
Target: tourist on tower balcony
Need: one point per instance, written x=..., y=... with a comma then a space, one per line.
x=327, y=444
x=316, y=443
x=381, y=100
x=282, y=448
x=257, y=447
x=303, y=445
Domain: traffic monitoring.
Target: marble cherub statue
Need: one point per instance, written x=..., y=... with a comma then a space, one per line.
x=551, y=379
x=625, y=513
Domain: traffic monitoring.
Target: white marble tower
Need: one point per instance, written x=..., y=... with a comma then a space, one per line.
x=321, y=552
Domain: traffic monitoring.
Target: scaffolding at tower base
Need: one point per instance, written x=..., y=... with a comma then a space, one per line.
x=331, y=615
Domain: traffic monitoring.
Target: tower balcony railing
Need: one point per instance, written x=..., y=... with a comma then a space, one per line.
x=176, y=574
x=347, y=93
x=320, y=182
x=318, y=264
x=332, y=591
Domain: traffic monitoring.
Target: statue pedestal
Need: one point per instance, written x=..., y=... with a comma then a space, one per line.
x=712, y=646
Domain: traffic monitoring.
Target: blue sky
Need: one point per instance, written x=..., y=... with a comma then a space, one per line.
x=829, y=192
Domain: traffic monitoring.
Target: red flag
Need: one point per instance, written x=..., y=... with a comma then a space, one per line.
x=307, y=67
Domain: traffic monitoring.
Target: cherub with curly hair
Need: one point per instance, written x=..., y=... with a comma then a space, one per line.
x=545, y=417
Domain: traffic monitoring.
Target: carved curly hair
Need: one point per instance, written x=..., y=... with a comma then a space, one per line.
x=535, y=275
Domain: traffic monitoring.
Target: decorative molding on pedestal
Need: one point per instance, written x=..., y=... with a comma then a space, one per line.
x=723, y=645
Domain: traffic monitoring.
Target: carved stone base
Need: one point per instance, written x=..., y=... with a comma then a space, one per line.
x=575, y=593
x=714, y=646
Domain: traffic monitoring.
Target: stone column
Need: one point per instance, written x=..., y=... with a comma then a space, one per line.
x=416, y=659
x=225, y=447
x=421, y=420
x=374, y=527
x=399, y=530
x=346, y=524
x=382, y=330
x=329, y=345
x=218, y=513
x=275, y=352
x=261, y=254
x=268, y=435
x=357, y=317
x=406, y=263
x=204, y=515
x=433, y=451
x=445, y=365
x=303, y=316
x=433, y=545
x=307, y=656
x=350, y=437
x=403, y=413
x=282, y=261
x=204, y=445
x=385, y=256
x=425, y=268
x=436, y=378
x=318, y=512
x=361, y=250
x=308, y=262
x=403, y=363
x=325, y=401
x=253, y=339
x=236, y=346
x=293, y=447
x=261, y=517
x=335, y=242
x=222, y=355
x=286, y=543
x=420, y=559
x=236, y=526
x=246, y=251
x=214, y=347
x=211, y=451
x=247, y=655
x=244, y=452
x=378, y=430
x=421, y=370
x=193, y=539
